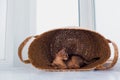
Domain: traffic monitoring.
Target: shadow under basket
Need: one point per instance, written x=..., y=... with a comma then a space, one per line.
x=89, y=44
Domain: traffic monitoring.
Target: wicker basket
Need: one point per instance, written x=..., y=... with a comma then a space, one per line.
x=90, y=45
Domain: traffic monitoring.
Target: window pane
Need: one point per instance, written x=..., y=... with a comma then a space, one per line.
x=56, y=13
x=108, y=19
x=2, y=27
x=87, y=18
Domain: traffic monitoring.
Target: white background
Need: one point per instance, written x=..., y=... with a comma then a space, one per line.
x=3, y=7
x=56, y=13
x=108, y=19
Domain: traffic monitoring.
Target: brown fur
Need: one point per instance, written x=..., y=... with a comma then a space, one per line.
x=60, y=57
x=63, y=61
x=75, y=62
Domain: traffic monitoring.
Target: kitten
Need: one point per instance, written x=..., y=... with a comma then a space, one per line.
x=60, y=58
x=63, y=61
x=75, y=62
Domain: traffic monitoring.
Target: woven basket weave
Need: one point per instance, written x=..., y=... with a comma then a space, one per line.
x=91, y=45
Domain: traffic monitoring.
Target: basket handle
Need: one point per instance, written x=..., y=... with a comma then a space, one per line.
x=113, y=62
x=21, y=48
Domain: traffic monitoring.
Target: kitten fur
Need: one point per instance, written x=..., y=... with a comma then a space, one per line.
x=60, y=58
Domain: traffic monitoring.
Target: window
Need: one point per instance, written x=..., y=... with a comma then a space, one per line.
x=108, y=19
x=60, y=13
x=6, y=35
x=87, y=14
x=2, y=28
x=56, y=13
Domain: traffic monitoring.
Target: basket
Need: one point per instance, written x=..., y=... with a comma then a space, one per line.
x=90, y=44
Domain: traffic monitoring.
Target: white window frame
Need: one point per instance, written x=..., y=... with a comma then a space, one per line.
x=8, y=48
x=13, y=26
x=2, y=27
x=24, y=27
x=87, y=14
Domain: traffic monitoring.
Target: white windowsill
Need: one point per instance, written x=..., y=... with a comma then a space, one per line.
x=28, y=72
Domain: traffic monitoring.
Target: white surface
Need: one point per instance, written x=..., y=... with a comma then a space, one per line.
x=40, y=75
x=108, y=19
x=3, y=7
x=87, y=15
x=23, y=24
x=31, y=73
x=56, y=13
x=28, y=72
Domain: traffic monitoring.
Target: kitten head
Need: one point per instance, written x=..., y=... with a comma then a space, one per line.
x=62, y=54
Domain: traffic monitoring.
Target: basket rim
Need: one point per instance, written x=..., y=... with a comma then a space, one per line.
x=71, y=27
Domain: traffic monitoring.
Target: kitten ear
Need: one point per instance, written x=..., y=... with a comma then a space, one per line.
x=62, y=51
